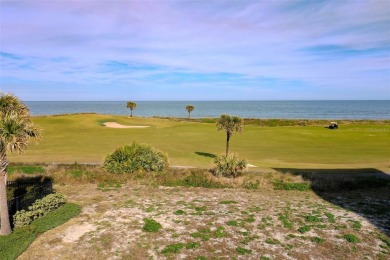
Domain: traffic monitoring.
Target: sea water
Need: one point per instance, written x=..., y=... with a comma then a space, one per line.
x=246, y=109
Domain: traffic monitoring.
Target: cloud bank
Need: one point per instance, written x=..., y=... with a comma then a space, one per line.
x=195, y=50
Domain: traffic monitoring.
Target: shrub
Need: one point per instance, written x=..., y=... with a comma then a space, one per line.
x=135, y=157
x=229, y=166
x=38, y=209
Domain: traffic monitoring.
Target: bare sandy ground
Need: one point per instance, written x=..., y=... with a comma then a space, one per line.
x=116, y=125
x=206, y=223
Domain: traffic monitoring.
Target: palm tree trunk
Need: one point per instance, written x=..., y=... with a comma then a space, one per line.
x=189, y=114
x=4, y=216
x=131, y=113
x=227, y=142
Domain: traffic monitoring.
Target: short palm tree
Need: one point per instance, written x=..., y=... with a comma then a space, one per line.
x=16, y=129
x=131, y=106
x=230, y=124
x=190, y=109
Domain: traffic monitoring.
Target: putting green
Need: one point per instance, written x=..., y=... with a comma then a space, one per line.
x=82, y=138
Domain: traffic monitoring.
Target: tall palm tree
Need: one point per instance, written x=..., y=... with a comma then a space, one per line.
x=230, y=124
x=190, y=109
x=16, y=130
x=131, y=106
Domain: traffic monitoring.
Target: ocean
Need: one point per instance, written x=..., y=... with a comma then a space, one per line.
x=332, y=110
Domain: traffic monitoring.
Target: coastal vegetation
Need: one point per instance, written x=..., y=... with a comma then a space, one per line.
x=131, y=105
x=229, y=124
x=135, y=157
x=189, y=109
x=16, y=130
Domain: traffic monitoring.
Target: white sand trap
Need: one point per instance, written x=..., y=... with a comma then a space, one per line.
x=251, y=165
x=75, y=232
x=116, y=125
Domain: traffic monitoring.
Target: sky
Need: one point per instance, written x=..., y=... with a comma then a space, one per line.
x=195, y=50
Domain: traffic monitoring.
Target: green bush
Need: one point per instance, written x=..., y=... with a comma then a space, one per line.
x=38, y=209
x=229, y=166
x=135, y=157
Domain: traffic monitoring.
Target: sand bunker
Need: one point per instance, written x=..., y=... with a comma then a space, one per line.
x=116, y=125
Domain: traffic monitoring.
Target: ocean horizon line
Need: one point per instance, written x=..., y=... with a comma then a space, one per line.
x=272, y=100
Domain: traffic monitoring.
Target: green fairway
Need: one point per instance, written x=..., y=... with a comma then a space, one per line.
x=82, y=138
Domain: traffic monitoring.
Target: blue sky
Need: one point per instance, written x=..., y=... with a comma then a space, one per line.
x=195, y=50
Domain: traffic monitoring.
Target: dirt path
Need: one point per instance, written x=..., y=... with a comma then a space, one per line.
x=198, y=222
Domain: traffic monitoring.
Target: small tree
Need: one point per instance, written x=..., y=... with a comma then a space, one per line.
x=230, y=124
x=16, y=129
x=190, y=109
x=131, y=106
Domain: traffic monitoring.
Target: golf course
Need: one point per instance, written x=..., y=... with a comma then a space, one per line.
x=83, y=138
x=310, y=191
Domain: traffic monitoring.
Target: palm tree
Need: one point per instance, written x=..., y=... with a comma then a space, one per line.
x=230, y=124
x=190, y=109
x=131, y=106
x=16, y=129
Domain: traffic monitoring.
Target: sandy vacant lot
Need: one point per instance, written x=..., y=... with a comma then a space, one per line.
x=200, y=223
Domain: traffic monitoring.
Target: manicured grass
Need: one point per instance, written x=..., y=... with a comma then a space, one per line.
x=82, y=138
x=13, y=245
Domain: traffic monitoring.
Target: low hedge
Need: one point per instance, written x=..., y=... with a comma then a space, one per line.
x=38, y=209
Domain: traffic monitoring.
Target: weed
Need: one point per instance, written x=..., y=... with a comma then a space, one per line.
x=228, y=202
x=173, y=248
x=317, y=240
x=201, y=257
x=265, y=258
x=243, y=251
x=232, y=223
x=285, y=221
x=290, y=236
x=151, y=225
x=311, y=218
x=330, y=217
x=356, y=225
x=272, y=241
x=351, y=238
x=179, y=212
x=192, y=245
x=248, y=239
x=255, y=209
x=250, y=219
x=252, y=185
x=304, y=229
x=341, y=227
x=203, y=233
x=220, y=232
x=149, y=209
x=109, y=185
